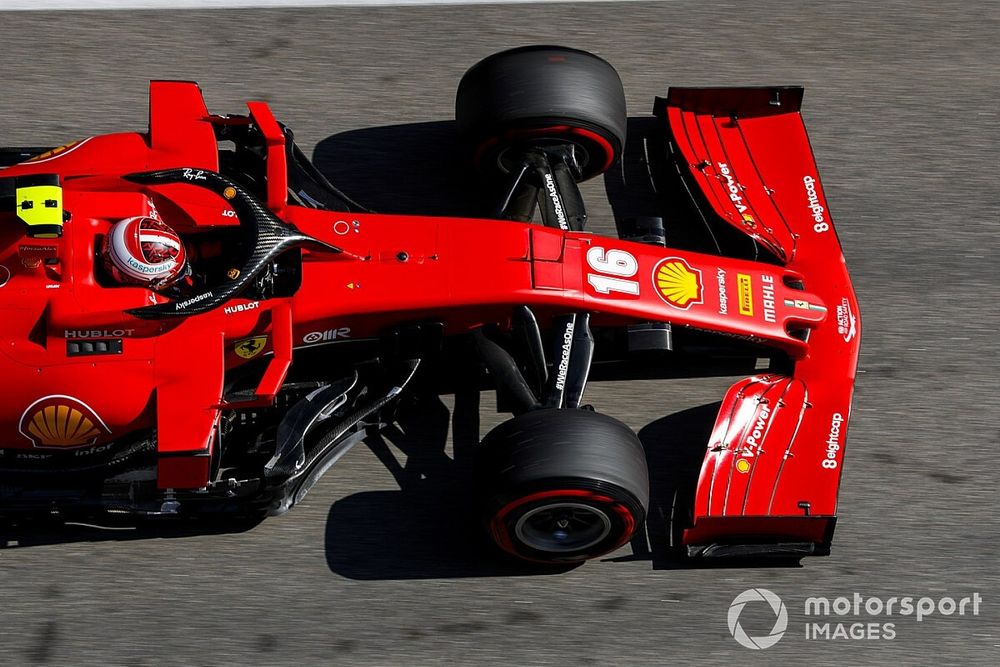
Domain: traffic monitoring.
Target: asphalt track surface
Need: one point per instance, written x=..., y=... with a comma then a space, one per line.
x=375, y=569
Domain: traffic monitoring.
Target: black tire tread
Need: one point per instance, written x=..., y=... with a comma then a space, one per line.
x=556, y=449
x=535, y=86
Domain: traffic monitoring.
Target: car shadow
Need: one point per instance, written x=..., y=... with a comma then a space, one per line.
x=427, y=529
x=414, y=169
x=45, y=532
x=675, y=448
x=420, y=169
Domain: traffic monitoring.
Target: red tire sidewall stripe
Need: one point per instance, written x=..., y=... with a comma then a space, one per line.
x=501, y=535
x=609, y=151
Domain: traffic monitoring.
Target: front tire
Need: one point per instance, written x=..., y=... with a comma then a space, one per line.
x=562, y=485
x=541, y=96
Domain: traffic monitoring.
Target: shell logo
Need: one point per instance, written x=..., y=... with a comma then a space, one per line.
x=742, y=465
x=677, y=282
x=61, y=421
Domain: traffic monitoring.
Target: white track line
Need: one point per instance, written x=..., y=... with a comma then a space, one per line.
x=36, y=5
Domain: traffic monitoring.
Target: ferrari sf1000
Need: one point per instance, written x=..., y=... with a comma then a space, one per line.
x=195, y=321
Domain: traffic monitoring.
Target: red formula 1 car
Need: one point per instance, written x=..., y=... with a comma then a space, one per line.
x=194, y=320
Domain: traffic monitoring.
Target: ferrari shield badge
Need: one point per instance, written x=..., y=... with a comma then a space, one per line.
x=249, y=348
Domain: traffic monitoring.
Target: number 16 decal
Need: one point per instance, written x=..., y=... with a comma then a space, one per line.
x=613, y=268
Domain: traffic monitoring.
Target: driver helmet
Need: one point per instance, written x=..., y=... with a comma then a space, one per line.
x=144, y=251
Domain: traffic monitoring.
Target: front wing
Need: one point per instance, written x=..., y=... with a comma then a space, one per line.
x=772, y=470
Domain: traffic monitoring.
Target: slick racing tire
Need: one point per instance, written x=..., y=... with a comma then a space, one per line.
x=562, y=486
x=539, y=96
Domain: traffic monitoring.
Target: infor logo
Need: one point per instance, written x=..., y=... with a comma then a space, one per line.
x=780, y=620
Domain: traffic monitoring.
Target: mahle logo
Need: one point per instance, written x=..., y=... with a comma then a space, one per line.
x=780, y=618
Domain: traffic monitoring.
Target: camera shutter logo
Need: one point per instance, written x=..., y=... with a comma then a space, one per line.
x=780, y=620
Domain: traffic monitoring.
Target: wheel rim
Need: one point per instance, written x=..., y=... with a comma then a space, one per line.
x=563, y=527
x=509, y=158
x=590, y=145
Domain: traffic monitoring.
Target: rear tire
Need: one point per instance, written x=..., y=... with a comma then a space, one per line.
x=538, y=96
x=562, y=485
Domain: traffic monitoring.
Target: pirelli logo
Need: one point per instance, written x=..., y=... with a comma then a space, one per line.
x=744, y=287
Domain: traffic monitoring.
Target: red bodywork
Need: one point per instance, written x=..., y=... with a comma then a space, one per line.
x=775, y=458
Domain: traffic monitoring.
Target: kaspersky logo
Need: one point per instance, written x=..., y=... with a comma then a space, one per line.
x=756, y=595
x=677, y=282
